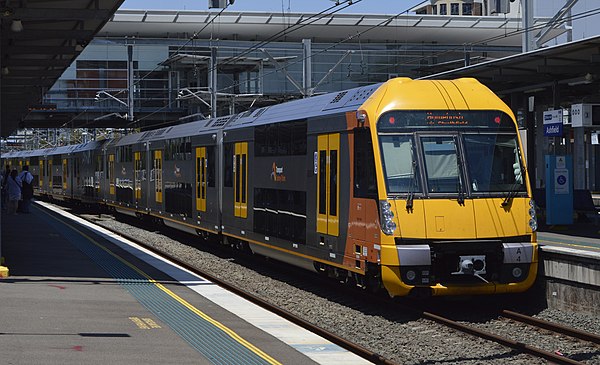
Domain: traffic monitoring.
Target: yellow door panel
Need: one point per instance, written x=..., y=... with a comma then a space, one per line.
x=244, y=181
x=494, y=221
x=41, y=178
x=322, y=142
x=333, y=221
x=65, y=173
x=111, y=174
x=138, y=175
x=201, y=179
x=240, y=171
x=158, y=193
x=328, y=192
x=446, y=219
x=50, y=176
x=411, y=224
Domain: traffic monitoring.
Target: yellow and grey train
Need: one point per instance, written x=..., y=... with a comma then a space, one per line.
x=418, y=187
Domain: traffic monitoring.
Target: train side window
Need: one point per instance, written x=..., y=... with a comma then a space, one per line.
x=228, y=165
x=210, y=169
x=365, y=180
x=280, y=139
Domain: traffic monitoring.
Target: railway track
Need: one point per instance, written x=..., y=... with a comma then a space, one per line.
x=350, y=298
x=555, y=357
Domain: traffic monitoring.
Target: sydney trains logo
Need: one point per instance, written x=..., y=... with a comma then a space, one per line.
x=177, y=171
x=277, y=173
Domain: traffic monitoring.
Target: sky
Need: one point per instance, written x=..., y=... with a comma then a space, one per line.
x=586, y=27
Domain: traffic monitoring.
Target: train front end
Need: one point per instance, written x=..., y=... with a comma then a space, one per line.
x=455, y=206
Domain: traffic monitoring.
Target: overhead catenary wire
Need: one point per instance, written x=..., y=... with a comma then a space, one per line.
x=582, y=15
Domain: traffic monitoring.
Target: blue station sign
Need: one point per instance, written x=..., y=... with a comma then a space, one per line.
x=553, y=123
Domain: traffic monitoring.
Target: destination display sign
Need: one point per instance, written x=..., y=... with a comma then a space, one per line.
x=488, y=119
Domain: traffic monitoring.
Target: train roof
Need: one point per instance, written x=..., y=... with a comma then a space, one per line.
x=176, y=131
x=55, y=150
x=330, y=103
x=321, y=105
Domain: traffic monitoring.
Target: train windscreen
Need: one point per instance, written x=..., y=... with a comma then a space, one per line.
x=493, y=162
x=450, y=152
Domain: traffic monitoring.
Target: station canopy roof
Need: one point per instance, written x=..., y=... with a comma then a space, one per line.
x=568, y=72
x=40, y=39
x=253, y=26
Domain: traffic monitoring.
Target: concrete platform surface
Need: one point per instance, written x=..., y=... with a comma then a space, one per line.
x=79, y=295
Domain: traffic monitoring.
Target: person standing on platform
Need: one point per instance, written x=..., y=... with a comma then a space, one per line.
x=13, y=188
x=26, y=189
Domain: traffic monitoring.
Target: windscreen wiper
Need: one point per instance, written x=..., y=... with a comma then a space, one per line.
x=413, y=180
x=461, y=187
x=513, y=189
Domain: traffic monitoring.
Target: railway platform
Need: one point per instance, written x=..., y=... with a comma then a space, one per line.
x=77, y=294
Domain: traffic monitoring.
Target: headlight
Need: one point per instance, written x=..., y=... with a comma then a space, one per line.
x=388, y=226
x=517, y=272
x=533, y=221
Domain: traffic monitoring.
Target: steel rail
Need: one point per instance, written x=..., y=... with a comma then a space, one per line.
x=555, y=327
x=519, y=346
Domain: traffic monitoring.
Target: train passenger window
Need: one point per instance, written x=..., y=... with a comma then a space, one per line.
x=280, y=139
x=399, y=163
x=441, y=164
x=228, y=164
x=322, y=181
x=243, y=170
x=280, y=213
x=210, y=169
x=494, y=163
x=333, y=182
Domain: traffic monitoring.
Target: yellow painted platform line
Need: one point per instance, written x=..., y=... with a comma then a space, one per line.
x=186, y=304
x=3, y=272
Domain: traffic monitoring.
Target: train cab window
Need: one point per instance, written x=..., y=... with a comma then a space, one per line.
x=365, y=180
x=441, y=164
x=493, y=163
x=399, y=163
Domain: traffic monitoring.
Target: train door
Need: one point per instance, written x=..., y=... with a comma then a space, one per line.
x=201, y=164
x=65, y=175
x=49, y=169
x=328, y=167
x=240, y=178
x=138, y=176
x=157, y=168
x=111, y=176
x=42, y=174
